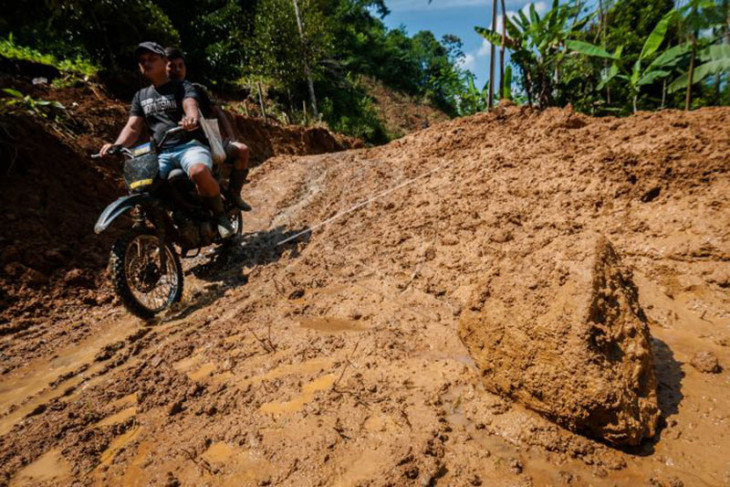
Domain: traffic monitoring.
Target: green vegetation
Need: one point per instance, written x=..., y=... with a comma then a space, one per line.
x=309, y=56
x=78, y=67
x=647, y=54
x=235, y=45
x=16, y=101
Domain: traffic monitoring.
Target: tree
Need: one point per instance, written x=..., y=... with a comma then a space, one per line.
x=639, y=75
x=537, y=46
x=696, y=16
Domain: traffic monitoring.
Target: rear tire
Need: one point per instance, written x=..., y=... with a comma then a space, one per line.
x=136, y=274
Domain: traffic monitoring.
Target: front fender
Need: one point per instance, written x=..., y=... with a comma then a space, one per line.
x=120, y=207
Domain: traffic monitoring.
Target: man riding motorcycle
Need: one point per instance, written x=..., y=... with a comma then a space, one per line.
x=237, y=152
x=163, y=105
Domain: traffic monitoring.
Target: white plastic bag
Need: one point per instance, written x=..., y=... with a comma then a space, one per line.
x=213, y=134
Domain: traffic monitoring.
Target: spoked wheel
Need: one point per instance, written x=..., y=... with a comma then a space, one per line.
x=144, y=287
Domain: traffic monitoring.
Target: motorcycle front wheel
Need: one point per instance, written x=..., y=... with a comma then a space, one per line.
x=139, y=280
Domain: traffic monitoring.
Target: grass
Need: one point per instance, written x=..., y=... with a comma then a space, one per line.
x=78, y=67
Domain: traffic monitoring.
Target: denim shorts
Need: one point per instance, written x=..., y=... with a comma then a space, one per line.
x=184, y=156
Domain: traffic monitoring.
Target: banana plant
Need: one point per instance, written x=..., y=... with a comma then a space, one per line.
x=715, y=59
x=641, y=73
x=536, y=44
x=695, y=16
x=507, y=89
x=473, y=100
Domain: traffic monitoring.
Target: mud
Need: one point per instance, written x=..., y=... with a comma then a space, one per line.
x=562, y=332
x=335, y=359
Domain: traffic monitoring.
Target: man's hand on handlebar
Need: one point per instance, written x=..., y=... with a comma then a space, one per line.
x=189, y=123
x=104, y=152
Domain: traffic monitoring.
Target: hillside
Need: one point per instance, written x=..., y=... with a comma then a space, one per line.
x=400, y=113
x=335, y=358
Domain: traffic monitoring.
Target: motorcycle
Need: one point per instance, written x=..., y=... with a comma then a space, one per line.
x=145, y=267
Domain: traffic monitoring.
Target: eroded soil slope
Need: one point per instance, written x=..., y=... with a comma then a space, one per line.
x=334, y=358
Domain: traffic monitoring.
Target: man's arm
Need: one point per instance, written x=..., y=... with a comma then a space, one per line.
x=129, y=134
x=192, y=114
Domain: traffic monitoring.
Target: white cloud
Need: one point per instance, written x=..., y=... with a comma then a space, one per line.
x=468, y=62
x=483, y=49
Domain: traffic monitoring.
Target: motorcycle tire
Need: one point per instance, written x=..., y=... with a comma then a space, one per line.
x=133, y=295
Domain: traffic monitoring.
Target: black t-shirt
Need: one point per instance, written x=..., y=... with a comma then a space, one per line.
x=162, y=108
x=204, y=100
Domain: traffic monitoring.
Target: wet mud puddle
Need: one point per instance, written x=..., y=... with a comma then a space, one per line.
x=28, y=388
x=331, y=325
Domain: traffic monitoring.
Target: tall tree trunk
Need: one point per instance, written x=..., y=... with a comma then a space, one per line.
x=688, y=95
x=490, y=101
x=501, y=51
x=307, y=71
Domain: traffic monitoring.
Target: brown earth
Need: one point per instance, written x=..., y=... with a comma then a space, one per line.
x=52, y=192
x=400, y=113
x=334, y=359
x=562, y=332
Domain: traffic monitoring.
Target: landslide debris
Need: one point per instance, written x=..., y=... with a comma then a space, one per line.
x=562, y=332
x=335, y=358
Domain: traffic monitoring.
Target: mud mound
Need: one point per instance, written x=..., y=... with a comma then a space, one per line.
x=267, y=140
x=335, y=358
x=562, y=332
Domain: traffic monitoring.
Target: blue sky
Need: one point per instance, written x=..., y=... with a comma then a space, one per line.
x=456, y=17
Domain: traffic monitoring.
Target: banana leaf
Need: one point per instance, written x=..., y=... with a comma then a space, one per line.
x=657, y=35
x=700, y=73
x=714, y=52
x=609, y=75
x=489, y=35
x=588, y=49
x=652, y=76
x=670, y=57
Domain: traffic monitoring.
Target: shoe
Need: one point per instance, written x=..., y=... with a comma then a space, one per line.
x=235, y=183
x=215, y=205
x=238, y=202
x=225, y=228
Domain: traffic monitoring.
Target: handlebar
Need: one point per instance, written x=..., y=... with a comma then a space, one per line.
x=120, y=149
x=115, y=150
x=170, y=132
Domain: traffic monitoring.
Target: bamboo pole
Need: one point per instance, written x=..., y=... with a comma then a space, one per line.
x=261, y=102
x=490, y=101
x=307, y=71
x=501, y=51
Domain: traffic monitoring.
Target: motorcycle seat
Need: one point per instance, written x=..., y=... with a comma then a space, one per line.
x=176, y=175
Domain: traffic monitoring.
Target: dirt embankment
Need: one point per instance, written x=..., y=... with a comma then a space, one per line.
x=335, y=359
x=52, y=192
x=401, y=114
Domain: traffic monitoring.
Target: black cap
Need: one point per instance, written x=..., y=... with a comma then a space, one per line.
x=174, y=53
x=152, y=47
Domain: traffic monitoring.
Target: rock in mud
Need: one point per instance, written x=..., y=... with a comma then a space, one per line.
x=706, y=362
x=562, y=332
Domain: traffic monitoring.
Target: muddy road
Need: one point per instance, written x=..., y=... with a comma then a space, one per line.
x=333, y=358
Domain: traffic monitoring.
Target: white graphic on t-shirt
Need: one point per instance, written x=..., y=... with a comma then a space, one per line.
x=162, y=104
